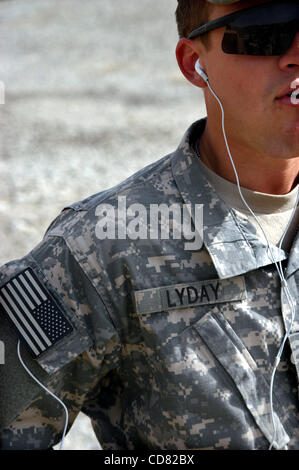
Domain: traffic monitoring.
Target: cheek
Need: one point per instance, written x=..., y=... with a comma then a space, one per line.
x=246, y=97
x=243, y=82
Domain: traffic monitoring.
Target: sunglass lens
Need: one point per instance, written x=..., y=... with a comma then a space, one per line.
x=266, y=40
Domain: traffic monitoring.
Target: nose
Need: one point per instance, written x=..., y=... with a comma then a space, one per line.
x=291, y=57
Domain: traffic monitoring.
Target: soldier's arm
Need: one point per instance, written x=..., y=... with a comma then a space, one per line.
x=70, y=366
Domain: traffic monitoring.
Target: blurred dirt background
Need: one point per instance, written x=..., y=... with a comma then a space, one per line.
x=92, y=94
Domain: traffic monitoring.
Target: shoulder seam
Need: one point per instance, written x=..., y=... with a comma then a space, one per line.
x=88, y=277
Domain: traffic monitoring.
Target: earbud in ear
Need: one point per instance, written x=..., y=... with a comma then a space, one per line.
x=200, y=71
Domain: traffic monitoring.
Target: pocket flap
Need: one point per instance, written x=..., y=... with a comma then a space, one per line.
x=238, y=363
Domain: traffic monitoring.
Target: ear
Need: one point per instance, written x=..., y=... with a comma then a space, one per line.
x=187, y=53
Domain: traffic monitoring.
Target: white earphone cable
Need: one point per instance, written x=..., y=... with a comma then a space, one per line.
x=283, y=281
x=48, y=391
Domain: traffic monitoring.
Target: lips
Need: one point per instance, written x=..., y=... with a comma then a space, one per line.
x=293, y=93
x=290, y=95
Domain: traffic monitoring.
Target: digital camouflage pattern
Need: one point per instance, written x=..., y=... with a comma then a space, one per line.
x=152, y=368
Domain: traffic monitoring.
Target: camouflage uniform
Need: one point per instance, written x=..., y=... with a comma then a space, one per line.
x=170, y=348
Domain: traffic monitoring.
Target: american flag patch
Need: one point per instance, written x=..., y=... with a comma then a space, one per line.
x=32, y=310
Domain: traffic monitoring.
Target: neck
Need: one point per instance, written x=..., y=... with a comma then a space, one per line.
x=256, y=171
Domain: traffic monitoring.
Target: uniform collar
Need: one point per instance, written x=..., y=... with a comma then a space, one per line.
x=231, y=242
x=293, y=264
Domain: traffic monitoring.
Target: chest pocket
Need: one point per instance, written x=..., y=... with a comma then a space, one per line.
x=200, y=356
x=232, y=354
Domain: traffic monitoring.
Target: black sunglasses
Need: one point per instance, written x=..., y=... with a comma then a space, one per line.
x=266, y=30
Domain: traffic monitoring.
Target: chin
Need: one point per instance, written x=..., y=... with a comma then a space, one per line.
x=285, y=145
x=285, y=154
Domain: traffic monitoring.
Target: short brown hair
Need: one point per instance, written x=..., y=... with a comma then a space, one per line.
x=191, y=14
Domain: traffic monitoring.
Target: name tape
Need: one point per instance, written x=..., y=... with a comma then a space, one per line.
x=190, y=295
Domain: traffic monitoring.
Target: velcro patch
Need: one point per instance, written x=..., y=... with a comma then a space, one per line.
x=33, y=312
x=190, y=295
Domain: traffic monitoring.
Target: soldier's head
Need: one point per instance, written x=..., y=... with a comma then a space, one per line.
x=190, y=14
x=252, y=61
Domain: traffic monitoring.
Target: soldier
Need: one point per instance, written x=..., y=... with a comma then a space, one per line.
x=166, y=343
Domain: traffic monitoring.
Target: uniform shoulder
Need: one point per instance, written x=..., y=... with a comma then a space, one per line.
x=137, y=188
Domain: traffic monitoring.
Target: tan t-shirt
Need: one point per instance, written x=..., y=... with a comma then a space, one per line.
x=272, y=211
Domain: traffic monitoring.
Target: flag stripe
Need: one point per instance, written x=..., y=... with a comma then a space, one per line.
x=30, y=317
x=35, y=298
x=33, y=311
x=19, y=327
x=23, y=293
x=36, y=286
x=24, y=321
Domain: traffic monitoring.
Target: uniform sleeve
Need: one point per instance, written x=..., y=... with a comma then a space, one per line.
x=68, y=342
